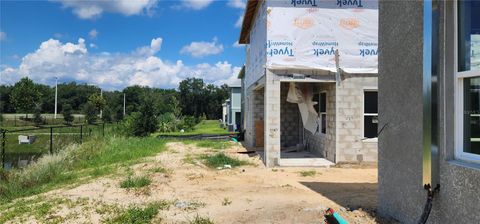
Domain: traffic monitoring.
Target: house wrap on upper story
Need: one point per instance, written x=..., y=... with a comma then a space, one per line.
x=310, y=82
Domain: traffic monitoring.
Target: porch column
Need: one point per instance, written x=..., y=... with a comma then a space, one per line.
x=272, y=119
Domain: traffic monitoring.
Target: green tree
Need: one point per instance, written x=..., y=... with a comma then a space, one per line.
x=90, y=113
x=107, y=114
x=97, y=101
x=67, y=113
x=147, y=122
x=24, y=96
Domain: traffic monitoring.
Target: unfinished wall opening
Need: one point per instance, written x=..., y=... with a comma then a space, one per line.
x=307, y=129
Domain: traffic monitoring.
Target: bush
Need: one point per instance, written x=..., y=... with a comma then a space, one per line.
x=90, y=113
x=167, y=123
x=67, y=113
x=188, y=123
x=107, y=115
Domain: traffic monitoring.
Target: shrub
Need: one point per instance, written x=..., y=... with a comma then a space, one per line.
x=67, y=113
x=167, y=122
x=188, y=123
x=147, y=122
x=107, y=115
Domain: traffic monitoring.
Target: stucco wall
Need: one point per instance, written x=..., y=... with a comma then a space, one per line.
x=401, y=195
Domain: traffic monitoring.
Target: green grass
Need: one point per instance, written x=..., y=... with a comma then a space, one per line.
x=220, y=159
x=308, y=173
x=95, y=158
x=201, y=220
x=211, y=144
x=135, y=182
x=137, y=215
x=211, y=127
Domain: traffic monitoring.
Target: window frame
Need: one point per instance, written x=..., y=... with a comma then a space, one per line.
x=368, y=114
x=459, y=77
x=320, y=113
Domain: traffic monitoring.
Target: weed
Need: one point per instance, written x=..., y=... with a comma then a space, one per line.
x=220, y=159
x=308, y=173
x=200, y=220
x=158, y=170
x=135, y=182
x=137, y=215
x=226, y=201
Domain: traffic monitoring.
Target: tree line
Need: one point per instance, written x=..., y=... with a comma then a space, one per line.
x=193, y=97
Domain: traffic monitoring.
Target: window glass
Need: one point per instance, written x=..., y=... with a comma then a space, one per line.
x=324, y=123
x=316, y=98
x=468, y=36
x=370, y=102
x=471, y=115
x=370, y=120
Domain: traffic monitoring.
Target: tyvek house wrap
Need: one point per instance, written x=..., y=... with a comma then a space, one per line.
x=304, y=34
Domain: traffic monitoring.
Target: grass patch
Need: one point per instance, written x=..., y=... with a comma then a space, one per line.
x=210, y=144
x=220, y=159
x=137, y=215
x=135, y=182
x=308, y=173
x=211, y=127
x=201, y=220
x=159, y=170
x=97, y=157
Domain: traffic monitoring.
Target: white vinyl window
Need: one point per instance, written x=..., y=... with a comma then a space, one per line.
x=370, y=114
x=323, y=112
x=467, y=76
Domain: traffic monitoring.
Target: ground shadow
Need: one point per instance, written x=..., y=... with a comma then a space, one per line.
x=348, y=195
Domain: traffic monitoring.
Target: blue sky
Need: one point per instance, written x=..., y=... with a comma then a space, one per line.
x=114, y=44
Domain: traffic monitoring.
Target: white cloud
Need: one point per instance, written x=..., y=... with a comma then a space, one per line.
x=94, y=9
x=3, y=36
x=237, y=3
x=239, y=22
x=92, y=45
x=93, y=33
x=202, y=48
x=72, y=61
x=155, y=46
x=237, y=45
x=195, y=4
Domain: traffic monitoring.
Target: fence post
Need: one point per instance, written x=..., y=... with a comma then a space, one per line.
x=51, y=140
x=103, y=129
x=81, y=134
x=3, y=147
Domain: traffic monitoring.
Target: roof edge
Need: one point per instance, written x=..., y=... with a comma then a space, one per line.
x=248, y=19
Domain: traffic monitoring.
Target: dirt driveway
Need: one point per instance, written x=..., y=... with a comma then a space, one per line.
x=247, y=194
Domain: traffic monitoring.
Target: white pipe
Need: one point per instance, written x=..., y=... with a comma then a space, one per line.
x=56, y=96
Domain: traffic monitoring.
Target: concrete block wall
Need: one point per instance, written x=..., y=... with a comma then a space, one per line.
x=290, y=120
x=319, y=143
x=254, y=110
x=351, y=147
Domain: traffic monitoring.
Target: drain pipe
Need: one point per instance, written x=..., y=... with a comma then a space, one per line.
x=430, y=110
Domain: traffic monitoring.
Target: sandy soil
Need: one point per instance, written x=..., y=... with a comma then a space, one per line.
x=248, y=194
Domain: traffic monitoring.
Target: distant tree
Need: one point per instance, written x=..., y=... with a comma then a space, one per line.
x=24, y=96
x=176, y=109
x=37, y=114
x=147, y=122
x=67, y=113
x=97, y=101
x=107, y=114
x=119, y=113
x=90, y=113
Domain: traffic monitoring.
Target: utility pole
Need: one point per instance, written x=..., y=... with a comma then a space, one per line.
x=56, y=96
x=124, y=100
x=101, y=95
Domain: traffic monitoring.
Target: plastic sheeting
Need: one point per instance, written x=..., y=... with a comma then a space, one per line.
x=302, y=94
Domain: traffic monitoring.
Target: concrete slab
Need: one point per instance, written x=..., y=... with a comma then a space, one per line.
x=305, y=162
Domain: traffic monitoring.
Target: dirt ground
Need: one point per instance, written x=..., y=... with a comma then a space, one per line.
x=247, y=194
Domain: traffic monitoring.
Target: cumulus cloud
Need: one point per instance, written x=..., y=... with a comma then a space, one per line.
x=94, y=9
x=239, y=22
x=3, y=36
x=237, y=3
x=73, y=61
x=195, y=4
x=93, y=34
x=237, y=45
x=202, y=48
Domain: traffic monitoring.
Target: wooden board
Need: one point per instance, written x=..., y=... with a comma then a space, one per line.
x=259, y=133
